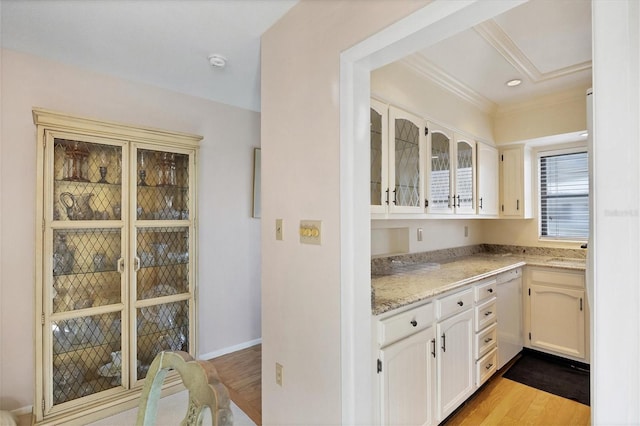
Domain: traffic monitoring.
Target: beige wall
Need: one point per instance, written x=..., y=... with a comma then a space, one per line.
x=301, y=180
x=229, y=254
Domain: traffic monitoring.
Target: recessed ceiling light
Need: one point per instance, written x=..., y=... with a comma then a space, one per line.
x=217, y=61
x=515, y=82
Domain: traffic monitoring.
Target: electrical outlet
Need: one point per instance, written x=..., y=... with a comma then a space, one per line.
x=419, y=234
x=466, y=231
x=279, y=232
x=279, y=369
x=311, y=232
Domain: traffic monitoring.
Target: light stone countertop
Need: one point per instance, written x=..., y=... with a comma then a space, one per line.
x=407, y=283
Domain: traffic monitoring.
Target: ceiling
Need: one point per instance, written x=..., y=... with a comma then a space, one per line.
x=166, y=43
x=546, y=44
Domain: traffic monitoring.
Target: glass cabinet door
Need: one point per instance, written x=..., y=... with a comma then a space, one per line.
x=83, y=274
x=379, y=187
x=465, y=176
x=440, y=179
x=407, y=180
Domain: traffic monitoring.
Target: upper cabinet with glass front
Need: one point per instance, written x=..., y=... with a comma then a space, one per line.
x=379, y=185
x=451, y=179
x=116, y=275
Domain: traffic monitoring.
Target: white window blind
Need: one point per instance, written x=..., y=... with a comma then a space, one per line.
x=564, y=195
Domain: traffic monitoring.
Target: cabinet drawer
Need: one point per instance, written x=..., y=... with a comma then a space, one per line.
x=485, y=368
x=454, y=303
x=485, y=289
x=564, y=278
x=486, y=340
x=485, y=314
x=405, y=324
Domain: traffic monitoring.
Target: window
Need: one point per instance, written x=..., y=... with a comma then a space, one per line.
x=564, y=195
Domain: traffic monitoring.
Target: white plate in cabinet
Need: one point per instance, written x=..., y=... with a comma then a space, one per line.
x=405, y=324
x=485, y=314
x=454, y=303
x=486, y=367
x=486, y=340
x=485, y=289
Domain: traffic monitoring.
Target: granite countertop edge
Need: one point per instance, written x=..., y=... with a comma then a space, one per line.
x=428, y=283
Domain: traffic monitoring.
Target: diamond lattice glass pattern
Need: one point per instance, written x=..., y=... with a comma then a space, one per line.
x=440, y=182
x=376, y=158
x=164, y=261
x=85, y=356
x=464, y=175
x=163, y=185
x=84, y=268
x=406, y=165
x=87, y=180
x=161, y=327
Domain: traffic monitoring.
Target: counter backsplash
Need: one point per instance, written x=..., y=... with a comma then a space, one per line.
x=382, y=265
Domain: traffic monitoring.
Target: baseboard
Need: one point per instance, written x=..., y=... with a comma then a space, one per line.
x=230, y=349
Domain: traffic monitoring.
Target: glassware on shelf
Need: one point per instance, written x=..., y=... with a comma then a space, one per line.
x=142, y=172
x=104, y=162
x=63, y=256
x=118, y=174
x=78, y=207
x=167, y=169
x=76, y=165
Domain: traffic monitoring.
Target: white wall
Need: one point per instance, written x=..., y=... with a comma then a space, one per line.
x=301, y=180
x=229, y=255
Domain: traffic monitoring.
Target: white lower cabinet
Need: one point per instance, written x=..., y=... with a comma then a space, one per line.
x=557, y=312
x=406, y=381
x=455, y=362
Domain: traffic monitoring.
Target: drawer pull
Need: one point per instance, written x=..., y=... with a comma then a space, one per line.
x=433, y=347
x=444, y=343
x=486, y=314
x=414, y=323
x=490, y=290
x=461, y=303
x=488, y=367
x=488, y=339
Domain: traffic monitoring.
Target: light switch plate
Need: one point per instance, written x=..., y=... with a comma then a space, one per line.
x=311, y=232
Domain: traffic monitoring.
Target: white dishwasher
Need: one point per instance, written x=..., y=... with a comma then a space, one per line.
x=509, y=310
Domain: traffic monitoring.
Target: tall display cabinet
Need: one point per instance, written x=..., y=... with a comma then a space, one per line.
x=116, y=271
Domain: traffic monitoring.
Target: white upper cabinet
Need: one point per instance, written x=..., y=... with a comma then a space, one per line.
x=379, y=157
x=487, y=180
x=515, y=180
x=406, y=152
x=451, y=180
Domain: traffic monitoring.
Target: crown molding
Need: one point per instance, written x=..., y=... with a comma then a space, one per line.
x=496, y=37
x=424, y=67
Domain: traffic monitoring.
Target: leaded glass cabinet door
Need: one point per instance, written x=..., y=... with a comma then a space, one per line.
x=465, y=188
x=379, y=185
x=440, y=177
x=83, y=276
x=162, y=290
x=406, y=152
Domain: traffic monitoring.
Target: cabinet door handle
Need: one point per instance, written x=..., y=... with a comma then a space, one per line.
x=480, y=203
x=490, y=290
x=458, y=197
x=433, y=347
x=444, y=343
x=387, y=196
x=395, y=197
x=517, y=204
x=488, y=367
x=486, y=314
x=449, y=202
x=460, y=303
x=120, y=265
x=136, y=264
x=414, y=323
x=581, y=303
x=488, y=339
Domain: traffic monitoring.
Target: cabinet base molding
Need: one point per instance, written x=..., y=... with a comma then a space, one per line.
x=88, y=413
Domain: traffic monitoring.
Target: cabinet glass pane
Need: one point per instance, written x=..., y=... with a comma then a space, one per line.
x=84, y=268
x=161, y=327
x=407, y=170
x=464, y=175
x=86, y=356
x=87, y=180
x=163, y=185
x=164, y=262
x=376, y=158
x=440, y=179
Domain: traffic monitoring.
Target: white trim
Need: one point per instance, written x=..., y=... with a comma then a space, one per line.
x=434, y=22
x=230, y=349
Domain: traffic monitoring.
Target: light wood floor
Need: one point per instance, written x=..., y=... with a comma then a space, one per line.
x=241, y=373
x=500, y=402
